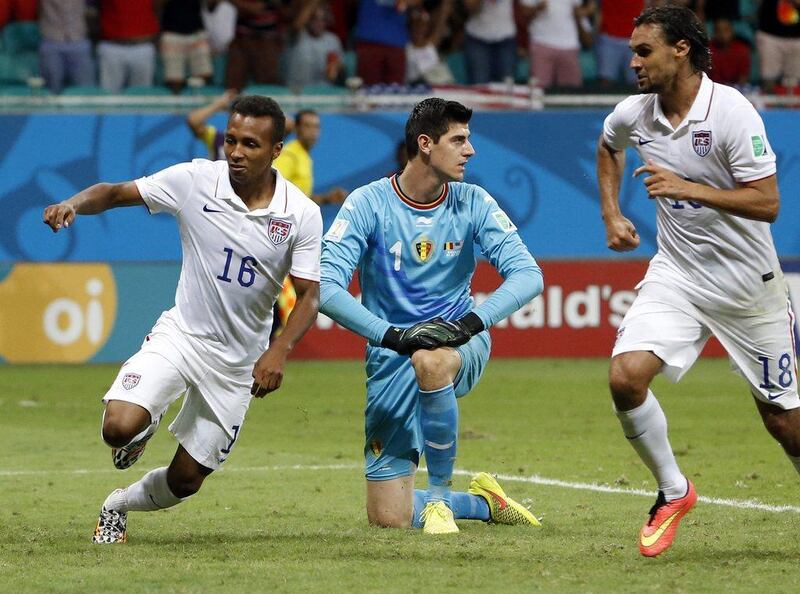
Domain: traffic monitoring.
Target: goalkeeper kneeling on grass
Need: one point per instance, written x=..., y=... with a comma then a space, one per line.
x=412, y=238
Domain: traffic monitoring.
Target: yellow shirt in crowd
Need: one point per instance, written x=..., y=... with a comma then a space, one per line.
x=295, y=164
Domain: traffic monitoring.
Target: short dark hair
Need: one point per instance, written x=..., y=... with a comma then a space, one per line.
x=679, y=22
x=303, y=112
x=433, y=117
x=259, y=106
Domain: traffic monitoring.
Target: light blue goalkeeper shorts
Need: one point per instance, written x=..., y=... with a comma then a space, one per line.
x=392, y=428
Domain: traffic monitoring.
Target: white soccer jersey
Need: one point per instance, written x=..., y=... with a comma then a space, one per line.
x=234, y=259
x=719, y=259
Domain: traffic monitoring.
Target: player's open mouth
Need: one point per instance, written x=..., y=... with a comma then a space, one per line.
x=238, y=167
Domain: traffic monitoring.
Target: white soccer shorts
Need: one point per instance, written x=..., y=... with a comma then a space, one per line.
x=760, y=345
x=216, y=401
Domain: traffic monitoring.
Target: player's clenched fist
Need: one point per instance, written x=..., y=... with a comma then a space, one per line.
x=621, y=235
x=267, y=373
x=59, y=215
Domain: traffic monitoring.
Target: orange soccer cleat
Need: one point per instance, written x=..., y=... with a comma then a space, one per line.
x=659, y=530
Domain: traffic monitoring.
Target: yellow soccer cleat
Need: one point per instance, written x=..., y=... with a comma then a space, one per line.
x=438, y=518
x=502, y=509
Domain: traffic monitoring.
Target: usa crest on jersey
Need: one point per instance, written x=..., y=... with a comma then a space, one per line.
x=278, y=231
x=701, y=142
x=130, y=380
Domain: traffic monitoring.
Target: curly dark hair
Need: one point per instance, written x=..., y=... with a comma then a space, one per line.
x=433, y=117
x=259, y=106
x=677, y=23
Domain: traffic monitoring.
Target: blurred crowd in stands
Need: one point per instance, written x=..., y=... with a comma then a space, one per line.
x=320, y=46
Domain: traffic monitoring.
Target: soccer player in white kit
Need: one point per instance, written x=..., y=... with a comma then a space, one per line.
x=711, y=170
x=243, y=228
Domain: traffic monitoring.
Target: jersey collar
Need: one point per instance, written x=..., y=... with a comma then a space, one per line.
x=413, y=203
x=278, y=204
x=699, y=110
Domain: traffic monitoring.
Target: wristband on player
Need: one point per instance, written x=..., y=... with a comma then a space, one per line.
x=472, y=322
x=391, y=340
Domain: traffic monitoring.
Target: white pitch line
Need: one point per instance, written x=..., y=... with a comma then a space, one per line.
x=539, y=480
x=532, y=479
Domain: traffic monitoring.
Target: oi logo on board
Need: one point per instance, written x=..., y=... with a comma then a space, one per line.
x=56, y=312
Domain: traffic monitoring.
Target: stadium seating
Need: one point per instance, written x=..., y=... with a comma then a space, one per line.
x=18, y=68
x=458, y=66
x=205, y=91
x=20, y=37
x=20, y=90
x=268, y=90
x=324, y=90
x=85, y=91
x=146, y=91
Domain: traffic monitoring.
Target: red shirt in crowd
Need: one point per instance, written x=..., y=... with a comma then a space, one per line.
x=122, y=20
x=617, y=16
x=730, y=64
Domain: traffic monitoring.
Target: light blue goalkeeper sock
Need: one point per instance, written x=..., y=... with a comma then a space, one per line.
x=439, y=420
x=464, y=506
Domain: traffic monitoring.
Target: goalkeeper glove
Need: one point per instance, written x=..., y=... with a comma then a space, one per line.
x=432, y=334
x=407, y=340
x=457, y=332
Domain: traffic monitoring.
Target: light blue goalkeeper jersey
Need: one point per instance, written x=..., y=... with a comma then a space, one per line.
x=415, y=261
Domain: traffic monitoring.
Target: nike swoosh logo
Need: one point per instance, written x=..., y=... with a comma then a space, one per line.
x=651, y=540
x=497, y=498
x=642, y=141
x=206, y=209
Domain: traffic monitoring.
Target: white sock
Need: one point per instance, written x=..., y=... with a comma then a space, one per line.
x=149, y=493
x=646, y=428
x=796, y=461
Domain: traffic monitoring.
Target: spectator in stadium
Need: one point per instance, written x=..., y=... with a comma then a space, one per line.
x=295, y=163
x=296, y=166
x=344, y=14
x=490, y=43
x=716, y=271
x=730, y=56
x=381, y=35
x=614, y=25
x=17, y=10
x=718, y=9
x=219, y=21
x=184, y=43
x=208, y=134
x=126, y=52
x=554, y=46
x=254, y=53
x=213, y=344
x=778, y=42
x=426, y=30
x=65, y=52
x=314, y=54
x=405, y=234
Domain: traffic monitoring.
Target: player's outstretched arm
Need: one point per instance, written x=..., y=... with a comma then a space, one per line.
x=93, y=200
x=621, y=235
x=268, y=370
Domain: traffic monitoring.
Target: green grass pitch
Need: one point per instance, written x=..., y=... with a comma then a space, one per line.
x=287, y=512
